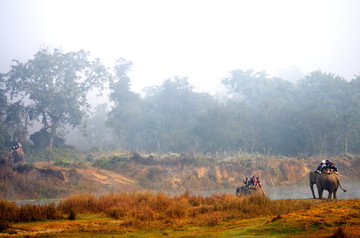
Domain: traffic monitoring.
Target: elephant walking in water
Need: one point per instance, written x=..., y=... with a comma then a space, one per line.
x=250, y=191
x=325, y=181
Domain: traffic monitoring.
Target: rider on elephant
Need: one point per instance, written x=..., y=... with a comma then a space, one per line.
x=258, y=182
x=326, y=164
x=246, y=182
x=17, y=147
x=16, y=154
x=331, y=165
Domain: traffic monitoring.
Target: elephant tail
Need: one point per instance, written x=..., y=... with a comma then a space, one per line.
x=341, y=187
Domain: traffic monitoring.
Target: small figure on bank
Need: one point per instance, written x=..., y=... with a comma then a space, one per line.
x=246, y=182
x=258, y=182
x=252, y=180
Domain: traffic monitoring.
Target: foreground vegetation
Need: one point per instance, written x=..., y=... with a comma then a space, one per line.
x=186, y=215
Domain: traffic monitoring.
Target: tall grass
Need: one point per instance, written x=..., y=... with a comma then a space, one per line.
x=150, y=210
x=146, y=209
x=10, y=212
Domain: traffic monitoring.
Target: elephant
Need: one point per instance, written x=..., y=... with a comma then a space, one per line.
x=325, y=181
x=16, y=156
x=250, y=191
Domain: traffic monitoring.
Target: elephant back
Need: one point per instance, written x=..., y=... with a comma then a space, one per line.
x=327, y=170
x=17, y=156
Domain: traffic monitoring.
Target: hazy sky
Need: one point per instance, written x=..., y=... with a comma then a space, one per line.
x=200, y=39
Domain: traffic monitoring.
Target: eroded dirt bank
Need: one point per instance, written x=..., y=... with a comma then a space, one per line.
x=134, y=172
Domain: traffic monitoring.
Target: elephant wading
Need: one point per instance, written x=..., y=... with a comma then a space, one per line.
x=325, y=181
x=250, y=191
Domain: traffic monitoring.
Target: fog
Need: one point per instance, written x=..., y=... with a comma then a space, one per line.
x=198, y=46
x=202, y=40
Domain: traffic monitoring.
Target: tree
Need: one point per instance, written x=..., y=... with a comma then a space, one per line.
x=321, y=101
x=124, y=116
x=17, y=121
x=56, y=85
x=41, y=140
x=264, y=100
x=172, y=110
x=96, y=132
x=4, y=135
x=13, y=122
x=220, y=129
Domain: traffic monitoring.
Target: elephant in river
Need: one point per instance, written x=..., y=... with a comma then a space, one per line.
x=325, y=181
x=243, y=190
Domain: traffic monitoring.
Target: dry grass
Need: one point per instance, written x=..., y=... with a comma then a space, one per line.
x=221, y=215
x=11, y=213
x=148, y=210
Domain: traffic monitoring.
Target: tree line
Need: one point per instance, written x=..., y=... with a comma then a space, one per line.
x=317, y=115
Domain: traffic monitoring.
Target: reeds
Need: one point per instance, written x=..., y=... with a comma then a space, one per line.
x=11, y=213
x=145, y=209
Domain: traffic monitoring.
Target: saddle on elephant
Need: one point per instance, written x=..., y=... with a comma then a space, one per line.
x=18, y=149
x=327, y=170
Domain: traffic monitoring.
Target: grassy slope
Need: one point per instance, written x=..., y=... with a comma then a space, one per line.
x=321, y=220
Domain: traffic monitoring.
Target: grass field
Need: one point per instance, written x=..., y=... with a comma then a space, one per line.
x=186, y=215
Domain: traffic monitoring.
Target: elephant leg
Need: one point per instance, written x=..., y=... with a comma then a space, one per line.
x=330, y=194
x=312, y=190
x=335, y=194
x=320, y=193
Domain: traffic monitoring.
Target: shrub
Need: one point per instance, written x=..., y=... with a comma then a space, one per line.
x=8, y=210
x=11, y=213
x=80, y=203
x=178, y=209
x=4, y=225
x=72, y=214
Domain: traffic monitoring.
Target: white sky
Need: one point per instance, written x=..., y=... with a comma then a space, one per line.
x=200, y=39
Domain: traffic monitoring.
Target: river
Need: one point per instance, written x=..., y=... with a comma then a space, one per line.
x=303, y=191
x=294, y=191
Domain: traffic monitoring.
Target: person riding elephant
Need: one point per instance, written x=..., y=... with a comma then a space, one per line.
x=324, y=181
x=16, y=153
x=249, y=191
x=251, y=187
x=326, y=165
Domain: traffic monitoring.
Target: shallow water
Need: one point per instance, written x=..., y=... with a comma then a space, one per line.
x=297, y=191
x=294, y=191
x=303, y=191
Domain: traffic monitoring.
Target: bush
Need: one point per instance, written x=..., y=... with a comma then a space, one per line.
x=9, y=212
x=4, y=225
x=72, y=214
x=79, y=203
